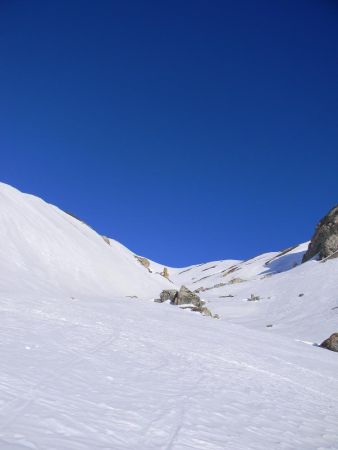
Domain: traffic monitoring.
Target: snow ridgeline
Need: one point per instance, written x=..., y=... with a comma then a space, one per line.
x=86, y=367
x=44, y=249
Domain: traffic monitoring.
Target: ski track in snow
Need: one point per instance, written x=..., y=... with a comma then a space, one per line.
x=18, y=406
x=128, y=382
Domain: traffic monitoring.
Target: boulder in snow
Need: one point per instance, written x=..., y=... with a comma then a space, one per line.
x=186, y=297
x=253, y=298
x=167, y=294
x=331, y=343
x=182, y=297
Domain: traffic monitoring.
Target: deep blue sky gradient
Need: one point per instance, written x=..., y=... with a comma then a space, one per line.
x=188, y=130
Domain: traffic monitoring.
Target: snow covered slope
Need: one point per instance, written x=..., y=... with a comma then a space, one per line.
x=85, y=367
x=293, y=299
x=43, y=249
x=92, y=374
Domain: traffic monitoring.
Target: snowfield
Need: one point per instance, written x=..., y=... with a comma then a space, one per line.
x=51, y=251
x=91, y=362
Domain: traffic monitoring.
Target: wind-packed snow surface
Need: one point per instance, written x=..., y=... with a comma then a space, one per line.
x=86, y=367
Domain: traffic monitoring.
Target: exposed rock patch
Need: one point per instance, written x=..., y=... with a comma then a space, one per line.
x=201, y=309
x=331, y=343
x=78, y=218
x=236, y=281
x=165, y=273
x=203, y=289
x=208, y=268
x=144, y=261
x=106, y=239
x=281, y=253
x=200, y=279
x=324, y=242
x=253, y=298
x=229, y=271
x=185, y=270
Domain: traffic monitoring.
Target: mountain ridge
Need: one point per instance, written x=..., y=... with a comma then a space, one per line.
x=90, y=361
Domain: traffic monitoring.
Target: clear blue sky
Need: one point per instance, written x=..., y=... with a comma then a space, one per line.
x=188, y=130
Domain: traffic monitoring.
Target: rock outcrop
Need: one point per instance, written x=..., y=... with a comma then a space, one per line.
x=106, y=239
x=324, y=242
x=331, y=343
x=165, y=272
x=182, y=297
x=186, y=299
x=144, y=261
x=168, y=294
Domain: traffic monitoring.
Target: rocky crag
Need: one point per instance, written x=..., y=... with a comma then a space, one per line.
x=324, y=242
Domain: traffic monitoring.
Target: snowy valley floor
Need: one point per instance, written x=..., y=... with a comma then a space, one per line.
x=91, y=373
